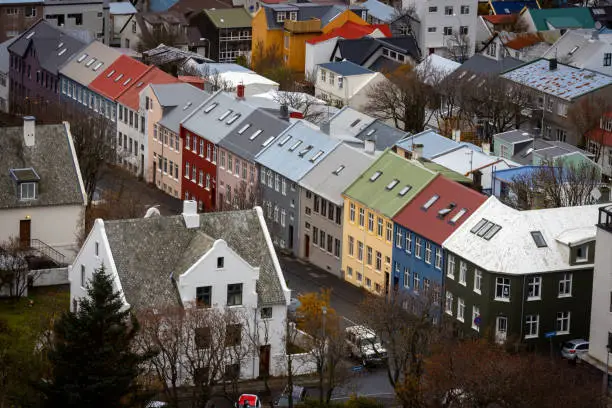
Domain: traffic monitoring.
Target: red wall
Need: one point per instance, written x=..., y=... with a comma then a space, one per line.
x=195, y=191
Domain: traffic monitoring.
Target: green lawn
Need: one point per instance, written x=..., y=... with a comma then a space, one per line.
x=34, y=309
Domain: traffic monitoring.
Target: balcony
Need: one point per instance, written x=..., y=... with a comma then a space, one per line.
x=241, y=37
x=301, y=27
x=605, y=218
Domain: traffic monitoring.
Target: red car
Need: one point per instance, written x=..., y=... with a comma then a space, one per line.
x=248, y=401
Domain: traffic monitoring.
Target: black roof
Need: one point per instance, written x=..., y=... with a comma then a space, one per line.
x=361, y=49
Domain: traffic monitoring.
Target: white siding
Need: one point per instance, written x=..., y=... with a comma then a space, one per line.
x=601, y=316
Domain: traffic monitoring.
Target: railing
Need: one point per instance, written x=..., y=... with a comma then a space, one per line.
x=47, y=251
x=605, y=218
x=308, y=26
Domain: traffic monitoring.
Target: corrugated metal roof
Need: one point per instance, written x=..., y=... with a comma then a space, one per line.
x=346, y=68
x=229, y=18
x=80, y=67
x=117, y=77
x=183, y=97
x=433, y=143
x=380, y=10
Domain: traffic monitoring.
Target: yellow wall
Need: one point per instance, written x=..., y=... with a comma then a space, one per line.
x=370, y=239
x=262, y=36
x=295, y=55
x=346, y=15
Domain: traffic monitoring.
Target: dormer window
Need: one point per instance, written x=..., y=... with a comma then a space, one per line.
x=281, y=16
x=27, y=183
x=582, y=253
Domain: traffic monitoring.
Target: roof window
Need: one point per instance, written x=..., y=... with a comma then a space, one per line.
x=573, y=50
x=538, y=238
x=225, y=115
x=458, y=216
x=233, y=119
x=110, y=74
x=338, y=170
x=82, y=58
x=485, y=229
x=30, y=35
x=210, y=107
x=285, y=140
x=376, y=175
x=127, y=81
x=371, y=132
x=254, y=135
x=97, y=66
x=431, y=201
x=305, y=150
x=404, y=191
x=60, y=45
x=316, y=156
x=392, y=184
x=62, y=52
x=187, y=106
x=90, y=62
x=355, y=122
x=139, y=84
x=27, y=182
x=295, y=145
x=118, y=77
x=244, y=128
x=268, y=141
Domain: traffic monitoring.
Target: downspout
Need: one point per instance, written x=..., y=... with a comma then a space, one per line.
x=522, y=308
x=256, y=336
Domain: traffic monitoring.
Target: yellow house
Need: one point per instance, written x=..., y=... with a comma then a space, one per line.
x=370, y=204
x=285, y=28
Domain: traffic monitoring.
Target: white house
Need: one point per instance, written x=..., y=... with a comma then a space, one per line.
x=344, y=83
x=4, y=74
x=120, y=13
x=42, y=196
x=584, y=49
x=88, y=15
x=219, y=260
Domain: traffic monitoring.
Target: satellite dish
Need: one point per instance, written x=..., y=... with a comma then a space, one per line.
x=596, y=194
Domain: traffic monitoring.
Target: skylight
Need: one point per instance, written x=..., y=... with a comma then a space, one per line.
x=30, y=35
x=62, y=52
x=118, y=77
x=305, y=150
x=97, y=66
x=431, y=201
x=316, y=156
x=210, y=107
x=187, y=106
x=225, y=115
x=90, y=62
x=233, y=119
x=485, y=229
x=404, y=191
x=60, y=45
x=538, y=238
x=110, y=74
x=444, y=212
x=355, y=122
x=392, y=184
x=573, y=50
x=295, y=145
x=457, y=216
x=254, y=135
x=244, y=128
x=370, y=132
x=285, y=140
x=339, y=169
x=127, y=81
x=376, y=175
x=268, y=141
x=139, y=84
x=492, y=232
x=81, y=58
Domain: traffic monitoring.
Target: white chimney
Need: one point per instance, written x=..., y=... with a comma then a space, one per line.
x=456, y=135
x=190, y=214
x=417, y=151
x=29, y=130
x=486, y=147
x=369, y=146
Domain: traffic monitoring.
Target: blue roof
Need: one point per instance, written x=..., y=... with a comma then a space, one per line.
x=296, y=151
x=122, y=7
x=380, y=10
x=512, y=7
x=161, y=5
x=508, y=175
x=433, y=143
x=346, y=68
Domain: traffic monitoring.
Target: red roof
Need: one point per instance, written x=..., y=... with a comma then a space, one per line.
x=153, y=75
x=351, y=31
x=601, y=136
x=114, y=79
x=524, y=40
x=428, y=223
x=501, y=18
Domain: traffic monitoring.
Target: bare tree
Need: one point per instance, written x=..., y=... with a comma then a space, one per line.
x=213, y=78
x=15, y=273
x=585, y=116
x=268, y=61
x=160, y=34
x=307, y=104
x=458, y=47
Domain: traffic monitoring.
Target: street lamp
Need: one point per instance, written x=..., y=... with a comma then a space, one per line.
x=207, y=48
x=324, y=311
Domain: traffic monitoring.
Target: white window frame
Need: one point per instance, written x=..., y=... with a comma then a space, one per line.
x=408, y=242
x=536, y=283
x=561, y=319
x=448, y=305
x=477, y=280
x=530, y=322
x=475, y=314
x=428, y=252
x=406, y=277
x=438, y=263
x=418, y=247
x=29, y=190
x=503, y=282
x=566, y=283
x=460, y=309
x=462, y=273
x=450, y=267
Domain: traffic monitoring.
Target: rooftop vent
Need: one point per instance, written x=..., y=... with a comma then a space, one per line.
x=338, y=170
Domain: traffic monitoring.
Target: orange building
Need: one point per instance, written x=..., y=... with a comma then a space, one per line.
x=285, y=28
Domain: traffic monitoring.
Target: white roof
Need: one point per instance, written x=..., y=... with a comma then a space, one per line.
x=439, y=66
x=348, y=122
x=277, y=96
x=464, y=160
x=512, y=249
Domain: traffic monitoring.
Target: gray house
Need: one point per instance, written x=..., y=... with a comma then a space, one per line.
x=287, y=158
x=321, y=205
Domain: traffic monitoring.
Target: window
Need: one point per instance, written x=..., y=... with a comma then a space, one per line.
x=389, y=236
x=450, y=268
x=563, y=322
x=433, y=9
x=322, y=75
x=369, y=255
x=607, y=59
x=430, y=202
x=379, y=228
x=359, y=277
x=431, y=29
x=465, y=9
x=330, y=243
x=582, y=253
x=340, y=82
x=351, y=243
x=428, y=252
x=448, y=10
x=462, y=272
x=534, y=288
x=475, y=315
x=565, y=285
x=220, y=262
x=460, y=309
x=477, y=280
x=370, y=222
x=281, y=16
x=352, y=212
x=532, y=323
x=203, y=337
x=204, y=296
x=284, y=187
x=417, y=247
x=315, y=236
x=562, y=109
x=266, y=312
x=233, y=336
x=349, y=271
x=406, y=277
x=30, y=11
x=538, y=238
x=234, y=294
x=360, y=250
x=502, y=289
x=448, y=306
x=28, y=191
x=282, y=217
x=448, y=30
x=463, y=30
x=408, y=247
x=361, y=217
x=82, y=276
x=416, y=281
x=378, y=261
x=398, y=238
x=439, y=258
x=332, y=77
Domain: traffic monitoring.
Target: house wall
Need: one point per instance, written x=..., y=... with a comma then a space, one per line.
x=246, y=180
x=191, y=184
x=601, y=315
x=294, y=56
x=262, y=37
x=318, y=54
x=130, y=125
x=117, y=21
x=4, y=90
x=24, y=87
x=57, y=226
x=14, y=24
x=92, y=16
x=130, y=36
x=378, y=243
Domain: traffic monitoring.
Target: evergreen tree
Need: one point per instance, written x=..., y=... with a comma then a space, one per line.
x=93, y=359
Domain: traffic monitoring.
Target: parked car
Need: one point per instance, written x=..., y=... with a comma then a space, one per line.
x=364, y=345
x=299, y=396
x=573, y=348
x=248, y=400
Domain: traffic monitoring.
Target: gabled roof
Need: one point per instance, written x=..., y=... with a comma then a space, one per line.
x=54, y=46
x=178, y=101
x=122, y=7
x=336, y=171
x=382, y=193
x=380, y=11
x=524, y=40
x=576, y=47
x=513, y=136
x=229, y=18
x=348, y=122
x=115, y=79
x=131, y=96
x=383, y=134
x=465, y=160
x=351, y=30
x=433, y=143
x=52, y=159
x=296, y=151
x=501, y=18
x=480, y=64
x=454, y=205
x=150, y=252
x=239, y=140
x=601, y=136
x=512, y=7
x=217, y=117
x=557, y=18
x=305, y=11
x=360, y=50
x=87, y=64
x=565, y=82
x=346, y=68
x=189, y=6
x=512, y=249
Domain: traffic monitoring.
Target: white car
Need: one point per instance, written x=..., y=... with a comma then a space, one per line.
x=574, y=348
x=364, y=345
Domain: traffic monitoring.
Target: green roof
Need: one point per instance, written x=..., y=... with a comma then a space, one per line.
x=376, y=194
x=229, y=18
x=446, y=172
x=574, y=17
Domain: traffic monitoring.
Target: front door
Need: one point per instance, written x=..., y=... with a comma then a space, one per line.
x=306, y=246
x=264, y=360
x=501, y=329
x=290, y=243
x=24, y=233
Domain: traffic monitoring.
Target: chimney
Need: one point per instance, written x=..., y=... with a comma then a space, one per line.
x=486, y=147
x=240, y=91
x=29, y=130
x=369, y=146
x=417, y=152
x=552, y=64
x=595, y=35
x=284, y=111
x=190, y=214
x=456, y=135
x=324, y=126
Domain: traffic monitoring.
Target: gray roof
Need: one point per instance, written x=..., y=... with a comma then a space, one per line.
x=149, y=252
x=209, y=125
x=306, y=11
x=50, y=157
x=479, y=64
x=383, y=135
x=380, y=10
x=178, y=101
x=76, y=68
x=514, y=136
x=322, y=179
x=360, y=50
x=4, y=55
x=295, y=157
x=525, y=155
x=46, y=40
x=259, y=119
x=346, y=68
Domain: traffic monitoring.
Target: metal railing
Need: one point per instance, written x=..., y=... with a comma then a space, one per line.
x=47, y=251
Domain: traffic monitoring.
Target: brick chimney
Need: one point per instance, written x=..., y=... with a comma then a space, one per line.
x=240, y=91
